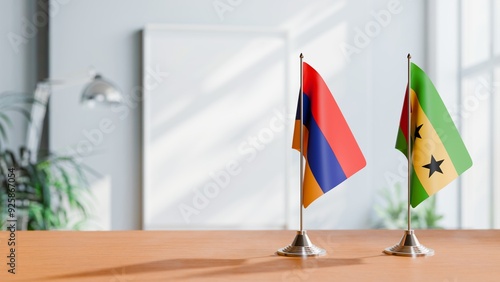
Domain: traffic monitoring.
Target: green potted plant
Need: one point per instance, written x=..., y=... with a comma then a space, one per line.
x=392, y=212
x=50, y=193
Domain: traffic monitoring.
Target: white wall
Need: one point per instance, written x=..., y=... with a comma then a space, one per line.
x=369, y=86
x=18, y=53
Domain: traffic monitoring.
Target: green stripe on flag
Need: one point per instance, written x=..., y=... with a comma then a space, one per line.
x=401, y=144
x=418, y=193
x=438, y=115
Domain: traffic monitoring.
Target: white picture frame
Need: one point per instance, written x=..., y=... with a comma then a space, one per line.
x=208, y=92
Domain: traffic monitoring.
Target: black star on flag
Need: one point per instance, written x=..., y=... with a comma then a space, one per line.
x=417, y=132
x=433, y=166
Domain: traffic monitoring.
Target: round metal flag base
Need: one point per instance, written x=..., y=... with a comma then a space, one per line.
x=301, y=247
x=409, y=247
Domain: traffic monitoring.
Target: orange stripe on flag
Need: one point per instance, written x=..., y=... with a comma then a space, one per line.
x=312, y=191
x=296, y=137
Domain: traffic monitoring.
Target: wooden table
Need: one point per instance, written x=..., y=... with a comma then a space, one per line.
x=247, y=256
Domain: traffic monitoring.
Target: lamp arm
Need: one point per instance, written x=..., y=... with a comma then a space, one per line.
x=42, y=94
x=59, y=83
x=38, y=110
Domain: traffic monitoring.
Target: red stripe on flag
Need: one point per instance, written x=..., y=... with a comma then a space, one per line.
x=332, y=123
x=403, y=122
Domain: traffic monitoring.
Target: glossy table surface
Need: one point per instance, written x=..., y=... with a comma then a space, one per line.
x=461, y=255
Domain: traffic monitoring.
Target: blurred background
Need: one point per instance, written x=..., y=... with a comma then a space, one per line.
x=201, y=135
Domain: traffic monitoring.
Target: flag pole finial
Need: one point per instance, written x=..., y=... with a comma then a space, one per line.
x=301, y=56
x=409, y=56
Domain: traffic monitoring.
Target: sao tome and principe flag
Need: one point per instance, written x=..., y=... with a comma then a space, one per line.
x=330, y=150
x=438, y=152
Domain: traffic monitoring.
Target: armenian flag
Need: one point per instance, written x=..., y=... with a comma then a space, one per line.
x=438, y=152
x=332, y=154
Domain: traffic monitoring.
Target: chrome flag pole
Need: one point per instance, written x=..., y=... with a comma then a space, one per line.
x=301, y=245
x=409, y=246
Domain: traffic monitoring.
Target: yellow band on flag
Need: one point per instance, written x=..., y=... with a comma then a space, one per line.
x=427, y=144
